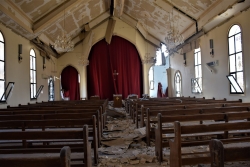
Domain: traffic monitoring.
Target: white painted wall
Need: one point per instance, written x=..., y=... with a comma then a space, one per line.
x=216, y=84
x=19, y=73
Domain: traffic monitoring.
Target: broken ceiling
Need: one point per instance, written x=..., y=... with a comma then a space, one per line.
x=47, y=19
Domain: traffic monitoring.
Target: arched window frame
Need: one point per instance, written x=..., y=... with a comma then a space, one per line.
x=178, y=84
x=235, y=58
x=33, y=79
x=51, y=89
x=2, y=67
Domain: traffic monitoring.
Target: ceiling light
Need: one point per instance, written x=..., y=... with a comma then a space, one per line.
x=63, y=42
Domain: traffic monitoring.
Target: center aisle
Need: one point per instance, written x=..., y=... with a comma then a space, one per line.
x=123, y=144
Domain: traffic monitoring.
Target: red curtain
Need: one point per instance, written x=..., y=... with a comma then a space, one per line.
x=69, y=82
x=120, y=57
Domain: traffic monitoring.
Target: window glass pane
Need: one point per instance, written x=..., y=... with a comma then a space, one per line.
x=232, y=63
x=1, y=37
x=240, y=80
x=2, y=87
x=239, y=63
x=31, y=76
x=34, y=85
x=197, y=50
x=199, y=75
x=31, y=90
x=238, y=43
x=231, y=45
x=34, y=78
x=34, y=63
x=232, y=89
x=199, y=58
x=196, y=71
x=234, y=30
x=177, y=86
x=31, y=62
x=1, y=51
x=32, y=53
x=1, y=70
x=195, y=59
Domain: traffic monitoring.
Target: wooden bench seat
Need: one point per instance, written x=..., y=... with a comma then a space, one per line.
x=151, y=117
x=220, y=154
x=176, y=157
x=52, y=135
x=38, y=160
x=161, y=134
x=50, y=126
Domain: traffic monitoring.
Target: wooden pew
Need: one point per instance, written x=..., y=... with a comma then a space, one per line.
x=38, y=160
x=160, y=131
x=150, y=133
x=183, y=106
x=219, y=155
x=52, y=135
x=137, y=113
x=176, y=159
x=50, y=125
x=53, y=114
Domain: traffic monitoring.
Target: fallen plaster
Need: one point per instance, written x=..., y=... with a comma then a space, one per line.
x=123, y=145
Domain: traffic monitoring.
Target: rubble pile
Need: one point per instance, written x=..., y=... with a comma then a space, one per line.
x=123, y=145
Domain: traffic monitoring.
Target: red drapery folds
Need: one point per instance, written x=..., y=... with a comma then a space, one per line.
x=106, y=61
x=160, y=91
x=69, y=83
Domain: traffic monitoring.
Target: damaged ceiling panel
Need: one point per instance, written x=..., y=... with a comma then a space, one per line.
x=39, y=18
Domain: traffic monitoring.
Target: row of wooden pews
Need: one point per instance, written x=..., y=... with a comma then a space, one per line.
x=49, y=126
x=191, y=123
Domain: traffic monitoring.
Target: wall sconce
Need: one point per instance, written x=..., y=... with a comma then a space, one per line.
x=44, y=63
x=19, y=52
x=211, y=47
x=184, y=58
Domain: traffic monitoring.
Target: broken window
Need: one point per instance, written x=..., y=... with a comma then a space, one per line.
x=197, y=81
x=235, y=60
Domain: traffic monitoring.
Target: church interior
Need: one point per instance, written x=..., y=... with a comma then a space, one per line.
x=124, y=83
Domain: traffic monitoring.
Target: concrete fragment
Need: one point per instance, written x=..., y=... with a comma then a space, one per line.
x=142, y=160
x=133, y=162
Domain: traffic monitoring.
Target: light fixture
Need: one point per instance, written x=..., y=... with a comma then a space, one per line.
x=147, y=58
x=19, y=52
x=63, y=43
x=173, y=38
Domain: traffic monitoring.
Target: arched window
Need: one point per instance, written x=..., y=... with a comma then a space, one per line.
x=236, y=72
x=2, y=66
x=51, y=89
x=197, y=81
x=32, y=74
x=177, y=81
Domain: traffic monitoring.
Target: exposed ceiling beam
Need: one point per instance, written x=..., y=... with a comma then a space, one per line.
x=112, y=8
x=12, y=15
x=44, y=48
x=134, y=23
x=53, y=16
x=96, y=21
x=119, y=8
